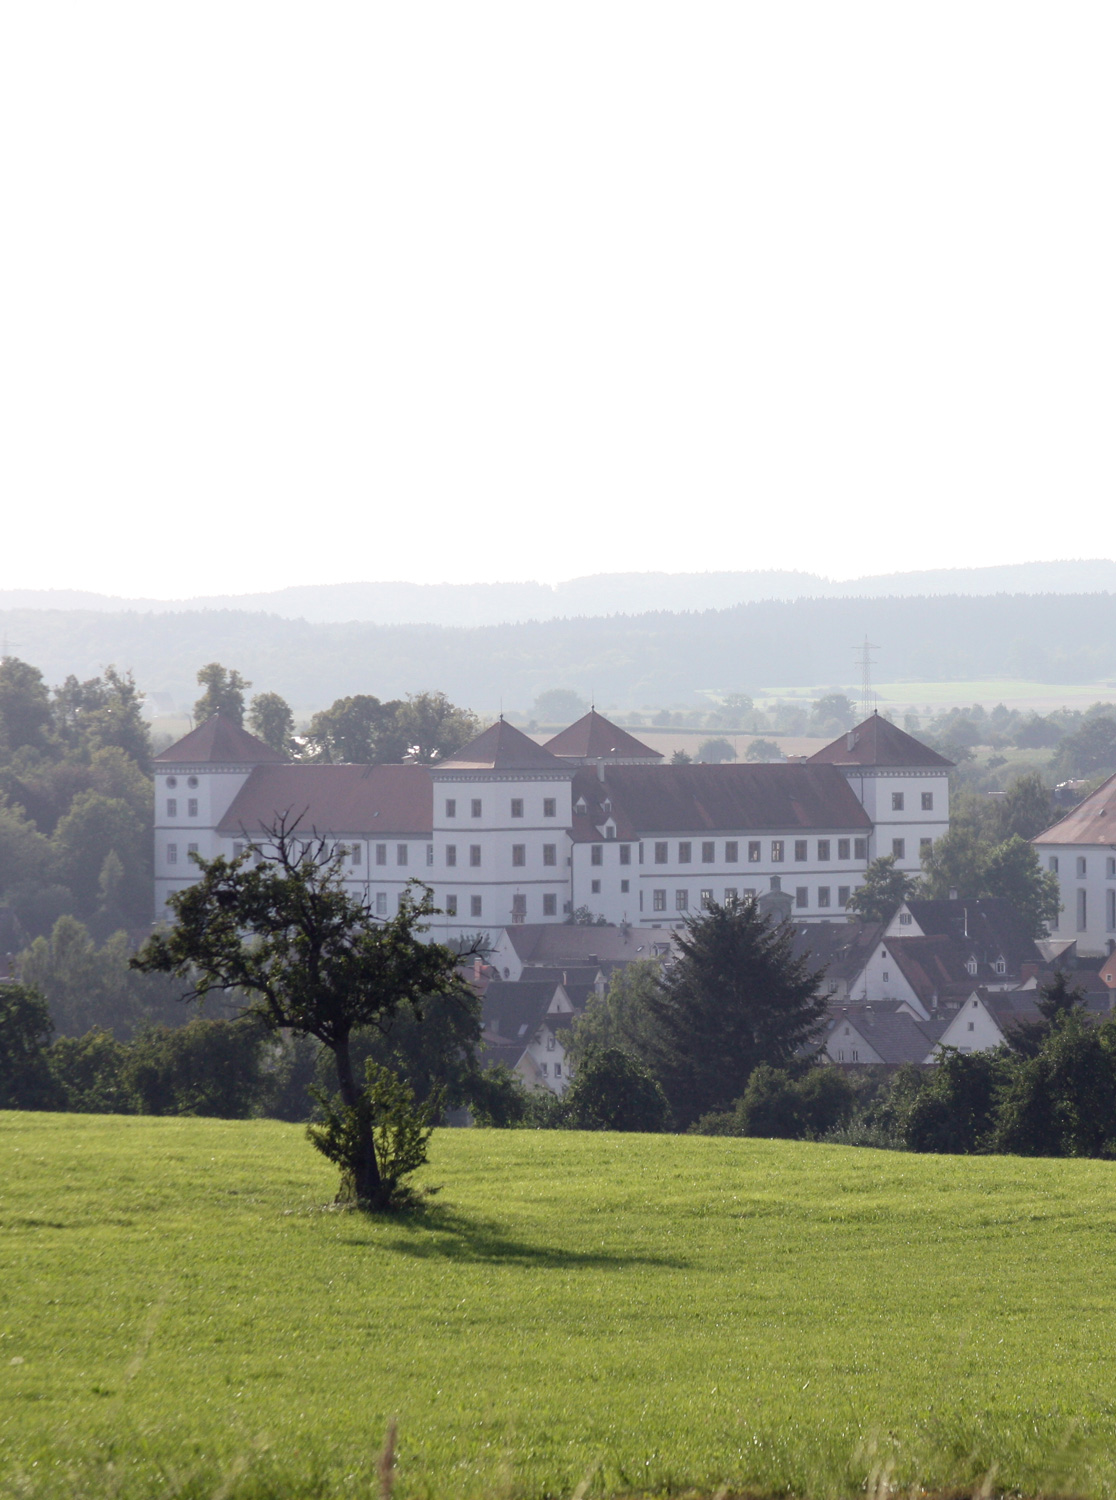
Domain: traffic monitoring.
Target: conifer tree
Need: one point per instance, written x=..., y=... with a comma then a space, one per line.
x=735, y=997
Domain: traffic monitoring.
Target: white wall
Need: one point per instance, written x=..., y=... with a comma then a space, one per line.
x=1097, y=886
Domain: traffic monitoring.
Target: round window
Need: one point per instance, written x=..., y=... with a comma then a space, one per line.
x=172, y=780
x=191, y=781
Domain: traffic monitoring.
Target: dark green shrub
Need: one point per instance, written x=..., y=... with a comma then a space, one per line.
x=26, y=1081
x=612, y=1090
x=90, y=1071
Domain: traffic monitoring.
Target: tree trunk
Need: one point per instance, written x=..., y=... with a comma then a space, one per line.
x=361, y=1181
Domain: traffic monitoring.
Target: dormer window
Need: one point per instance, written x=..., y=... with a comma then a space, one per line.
x=581, y=806
x=971, y=965
x=606, y=805
x=1000, y=966
x=610, y=830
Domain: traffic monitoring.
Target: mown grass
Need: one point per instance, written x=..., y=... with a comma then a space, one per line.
x=180, y=1316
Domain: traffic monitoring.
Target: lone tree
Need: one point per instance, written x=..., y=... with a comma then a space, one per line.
x=278, y=924
x=734, y=998
x=884, y=890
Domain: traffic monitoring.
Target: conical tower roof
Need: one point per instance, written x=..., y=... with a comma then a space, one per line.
x=220, y=741
x=877, y=742
x=594, y=737
x=501, y=747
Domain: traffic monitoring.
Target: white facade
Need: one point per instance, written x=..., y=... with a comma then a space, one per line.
x=909, y=809
x=505, y=843
x=1087, y=879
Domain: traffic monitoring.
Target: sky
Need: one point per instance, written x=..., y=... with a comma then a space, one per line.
x=474, y=291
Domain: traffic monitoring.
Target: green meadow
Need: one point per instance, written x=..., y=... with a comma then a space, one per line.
x=181, y=1314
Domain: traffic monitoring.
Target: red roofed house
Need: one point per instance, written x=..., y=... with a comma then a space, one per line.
x=1081, y=850
x=507, y=831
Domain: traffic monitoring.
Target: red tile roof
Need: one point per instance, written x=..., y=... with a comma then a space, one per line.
x=220, y=741
x=1090, y=822
x=594, y=738
x=368, y=800
x=501, y=747
x=690, y=799
x=877, y=742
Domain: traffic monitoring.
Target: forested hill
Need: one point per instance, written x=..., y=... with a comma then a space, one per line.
x=655, y=658
x=601, y=594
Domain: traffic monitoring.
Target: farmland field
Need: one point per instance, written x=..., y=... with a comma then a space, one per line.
x=180, y=1315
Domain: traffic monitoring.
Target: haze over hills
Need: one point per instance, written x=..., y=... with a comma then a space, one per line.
x=478, y=604
x=652, y=659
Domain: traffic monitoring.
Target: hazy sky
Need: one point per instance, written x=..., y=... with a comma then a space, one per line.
x=309, y=293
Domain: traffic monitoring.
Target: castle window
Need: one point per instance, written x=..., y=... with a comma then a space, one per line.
x=1053, y=863
x=1080, y=867
x=776, y=851
x=684, y=853
x=550, y=854
x=596, y=854
x=172, y=854
x=192, y=807
x=661, y=855
x=550, y=807
x=357, y=854
x=706, y=900
x=172, y=807
x=658, y=900
x=800, y=850
x=401, y=854
x=474, y=855
x=451, y=807
x=476, y=807
x=519, y=854
x=517, y=807
x=843, y=847
x=625, y=854
x=474, y=906
x=381, y=854
x=550, y=906
x=928, y=801
x=625, y=887
x=897, y=801
x=430, y=854
x=451, y=906
x=730, y=894
x=753, y=851
x=843, y=894
x=595, y=887
x=381, y=903
x=801, y=895
x=681, y=900
x=823, y=849
x=899, y=848
x=451, y=855
x=860, y=848
x=708, y=852
x=823, y=895
x=732, y=852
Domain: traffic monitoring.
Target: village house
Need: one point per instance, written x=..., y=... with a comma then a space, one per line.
x=1080, y=849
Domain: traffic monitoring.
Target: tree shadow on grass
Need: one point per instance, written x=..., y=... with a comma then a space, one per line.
x=439, y=1233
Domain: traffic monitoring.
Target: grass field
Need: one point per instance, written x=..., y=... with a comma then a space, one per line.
x=180, y=1317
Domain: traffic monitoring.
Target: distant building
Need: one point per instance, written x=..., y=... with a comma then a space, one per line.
x=1080, y=849
x=510, y=833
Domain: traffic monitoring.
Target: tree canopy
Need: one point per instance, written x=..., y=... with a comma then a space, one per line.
x=734, y=997
x=278, y=924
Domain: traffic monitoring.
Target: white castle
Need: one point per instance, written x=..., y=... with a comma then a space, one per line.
x=508, y=831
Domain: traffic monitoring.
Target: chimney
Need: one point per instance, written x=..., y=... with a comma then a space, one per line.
x=600, y=770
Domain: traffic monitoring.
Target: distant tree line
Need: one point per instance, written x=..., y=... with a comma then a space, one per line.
x=633, y=659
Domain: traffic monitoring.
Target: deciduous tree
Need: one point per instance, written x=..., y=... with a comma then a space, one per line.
x=279, y=924
x=885, y=888
x=270, y=717
x=224, y=693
